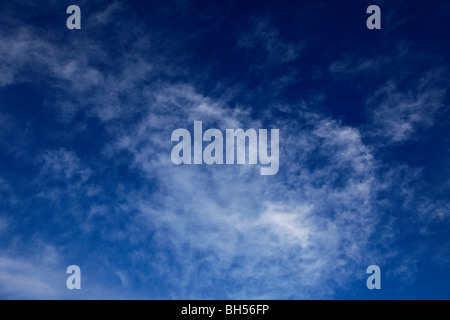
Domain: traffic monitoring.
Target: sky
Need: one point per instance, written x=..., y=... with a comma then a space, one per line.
x=86, y=176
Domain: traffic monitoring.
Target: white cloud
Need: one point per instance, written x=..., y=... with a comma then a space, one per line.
x=298, y=234
x=309, y=222
x=105, y=16
x=64, y=164
x=264, y=34
x=400, y=113
x=30, y=276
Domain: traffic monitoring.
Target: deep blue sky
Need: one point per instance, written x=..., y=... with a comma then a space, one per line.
x=86, y=176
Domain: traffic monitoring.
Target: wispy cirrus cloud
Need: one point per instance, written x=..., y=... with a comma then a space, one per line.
x=400, y=113
x=263, y=34
x=108, y=197
x=296, y=225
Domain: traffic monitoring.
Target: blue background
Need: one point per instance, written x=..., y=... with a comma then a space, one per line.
x=85, y=171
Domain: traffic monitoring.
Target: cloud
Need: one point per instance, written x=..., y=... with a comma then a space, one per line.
x=64, y=164
x=264, y=35
x=352, y=66
x=404, y=100
x=306, y=223
x=105, y=16
x=312, y=222
x=335, y=206
x=30, y=276
x=399, y=114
